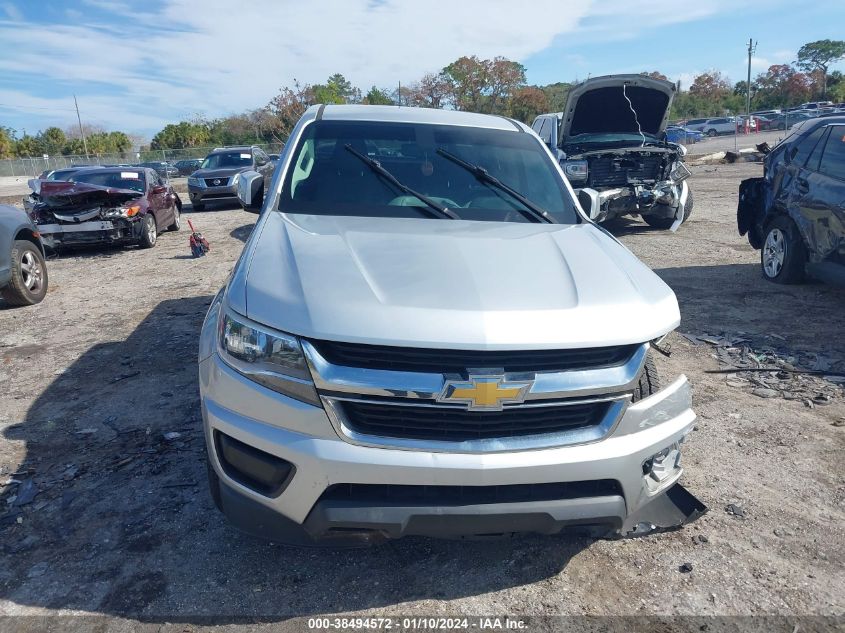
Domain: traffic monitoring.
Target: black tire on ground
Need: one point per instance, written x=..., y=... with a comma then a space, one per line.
x=213, y=484
x=648, y=383
x=149, y=232
x=783, y=255
x=711, y=133
x=666, y=223
x=28, y=284
x=177, y=221
x=198, y=206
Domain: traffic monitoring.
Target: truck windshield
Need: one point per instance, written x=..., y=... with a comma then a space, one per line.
x=325, y=178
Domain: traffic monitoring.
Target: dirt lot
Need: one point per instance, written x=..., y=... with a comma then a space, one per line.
x=122, y=524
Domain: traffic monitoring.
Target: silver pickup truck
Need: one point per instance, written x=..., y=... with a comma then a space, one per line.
x=425, y=334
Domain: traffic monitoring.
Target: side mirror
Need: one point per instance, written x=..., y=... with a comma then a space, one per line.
x=249, y=188
x=590, y=202
x=553, y=134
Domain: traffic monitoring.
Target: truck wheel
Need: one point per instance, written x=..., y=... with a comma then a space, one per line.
x=666, y=223
x=648, y=383
x=783, y=255
x=149, y=233
x=28, y=284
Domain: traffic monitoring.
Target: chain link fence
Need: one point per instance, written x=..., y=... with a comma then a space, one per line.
x=31, y=167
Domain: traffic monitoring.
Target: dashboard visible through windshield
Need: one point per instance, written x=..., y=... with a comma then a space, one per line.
x=329, y=173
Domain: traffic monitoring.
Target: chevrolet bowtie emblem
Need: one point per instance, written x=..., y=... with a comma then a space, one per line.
x=484, y=392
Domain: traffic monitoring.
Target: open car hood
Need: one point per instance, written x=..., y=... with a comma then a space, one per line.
x=599, y=106
x=62, y=194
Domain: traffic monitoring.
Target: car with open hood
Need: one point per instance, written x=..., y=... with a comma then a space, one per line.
x=611, y=142
x=113, y=205
x=795, y=213
x=422, y=336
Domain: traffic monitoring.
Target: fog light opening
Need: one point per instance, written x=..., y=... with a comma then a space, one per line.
x=663, y=466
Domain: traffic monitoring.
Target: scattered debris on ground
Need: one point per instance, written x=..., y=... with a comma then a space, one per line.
x=768, y=368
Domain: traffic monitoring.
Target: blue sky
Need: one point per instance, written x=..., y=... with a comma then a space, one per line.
x=138, y=65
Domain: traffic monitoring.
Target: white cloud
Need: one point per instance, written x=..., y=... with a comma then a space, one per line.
x=148, y=66
x=215, y=57
x=11, y=11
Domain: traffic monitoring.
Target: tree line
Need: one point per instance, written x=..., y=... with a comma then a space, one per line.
x=54, y=141
x=493, y=86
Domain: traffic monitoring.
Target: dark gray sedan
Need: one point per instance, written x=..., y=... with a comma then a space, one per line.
x=23, y=272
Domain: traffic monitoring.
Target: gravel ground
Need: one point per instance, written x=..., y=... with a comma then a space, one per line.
x=122, y=524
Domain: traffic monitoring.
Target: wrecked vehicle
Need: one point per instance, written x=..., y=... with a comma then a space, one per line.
x=23, y=271
x=795, y=213
x=422, y=337
x=120, y=205
x=610, y=141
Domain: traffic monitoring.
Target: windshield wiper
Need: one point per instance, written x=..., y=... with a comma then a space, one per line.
x=531, y=210
x=436, y=210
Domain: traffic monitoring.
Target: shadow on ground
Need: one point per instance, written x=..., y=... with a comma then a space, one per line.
x=122, y=522
x=736, y=298
x=242, y=233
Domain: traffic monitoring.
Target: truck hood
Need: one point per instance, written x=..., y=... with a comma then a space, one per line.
x=449, y=284
x=599, y=106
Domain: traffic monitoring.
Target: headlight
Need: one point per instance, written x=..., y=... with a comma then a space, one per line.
x=679, y=172
x=196, y=182
x=272, y=359
x=123, y=212
x=575, y=169
x=234, y=180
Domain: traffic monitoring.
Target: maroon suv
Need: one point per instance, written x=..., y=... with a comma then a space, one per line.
x=115, y=205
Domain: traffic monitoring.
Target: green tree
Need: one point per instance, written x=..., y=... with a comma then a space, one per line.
x=377, y=97
x=819, y=55
x=337, y=89
x=556, y=94
x=27, y=146
x=181, y=135
x=53, y=140
x=7, y=142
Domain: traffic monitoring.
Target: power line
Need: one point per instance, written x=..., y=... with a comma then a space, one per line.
x=27, y=107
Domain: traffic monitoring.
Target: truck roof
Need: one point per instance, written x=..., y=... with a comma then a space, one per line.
x=401, y=114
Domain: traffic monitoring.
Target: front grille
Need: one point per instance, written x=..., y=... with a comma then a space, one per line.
x=209, y=182
x=387, y=494
x=442, y=361
x=455, y=425
x=606, y=171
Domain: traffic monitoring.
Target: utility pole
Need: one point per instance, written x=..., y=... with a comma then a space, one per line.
x=399, y=94
x=752, y=47
x=81, y=132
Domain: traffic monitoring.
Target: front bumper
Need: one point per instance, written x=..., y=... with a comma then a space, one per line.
x=223, y=192
x=602, y=483
x=114, y=231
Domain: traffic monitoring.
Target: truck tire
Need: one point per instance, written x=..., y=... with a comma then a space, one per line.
x=666, y=223
x=648, y=383
x=783, y=255
x=28, y=284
